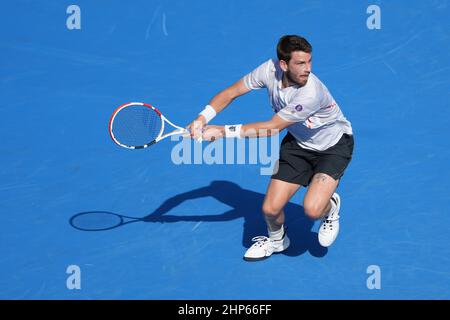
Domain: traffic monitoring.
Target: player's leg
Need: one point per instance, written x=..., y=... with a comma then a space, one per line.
x=278, y=195
x=293, y=171
x=321, y=200
x=317, y=202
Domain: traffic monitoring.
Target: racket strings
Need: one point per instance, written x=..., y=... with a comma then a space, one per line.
x=136, y=125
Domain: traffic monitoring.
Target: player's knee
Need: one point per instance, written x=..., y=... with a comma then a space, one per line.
x=270, y=210
x=312, y=210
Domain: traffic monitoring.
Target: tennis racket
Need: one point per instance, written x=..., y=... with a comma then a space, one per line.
x=138, y=125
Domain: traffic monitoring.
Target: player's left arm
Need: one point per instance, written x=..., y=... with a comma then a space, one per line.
x=249, y=130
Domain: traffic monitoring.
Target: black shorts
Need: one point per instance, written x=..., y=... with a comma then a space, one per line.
x=298, y=165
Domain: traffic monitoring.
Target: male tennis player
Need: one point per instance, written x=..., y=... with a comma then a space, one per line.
x=315, y=152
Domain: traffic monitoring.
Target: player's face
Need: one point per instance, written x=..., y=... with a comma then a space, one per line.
x=299, y=67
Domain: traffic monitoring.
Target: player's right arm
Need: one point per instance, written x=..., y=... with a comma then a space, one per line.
x=225, y=97
x=219, y=102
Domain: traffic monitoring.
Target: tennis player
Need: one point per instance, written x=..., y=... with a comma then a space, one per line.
x=314, y=153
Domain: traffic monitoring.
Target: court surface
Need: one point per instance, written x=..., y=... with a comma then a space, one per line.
x=179, y=231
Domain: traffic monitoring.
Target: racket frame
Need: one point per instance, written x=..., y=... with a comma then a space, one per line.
x=159, y=137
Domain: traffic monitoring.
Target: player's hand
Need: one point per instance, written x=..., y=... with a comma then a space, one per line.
x=211, y=133
x=196, y=128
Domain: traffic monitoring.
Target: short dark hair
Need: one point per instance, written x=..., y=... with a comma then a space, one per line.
x=290, y=43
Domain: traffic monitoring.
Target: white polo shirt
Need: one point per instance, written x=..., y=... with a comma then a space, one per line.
x=319, y=122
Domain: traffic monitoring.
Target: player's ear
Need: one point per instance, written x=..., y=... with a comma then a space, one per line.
x=283, y=65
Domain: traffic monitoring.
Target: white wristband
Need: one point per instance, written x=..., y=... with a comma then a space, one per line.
x=233, y=131
x=209, y=113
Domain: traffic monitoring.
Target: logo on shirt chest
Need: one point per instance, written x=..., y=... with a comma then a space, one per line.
x=298, y=107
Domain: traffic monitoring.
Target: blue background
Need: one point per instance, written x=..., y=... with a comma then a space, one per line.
x=193, y=223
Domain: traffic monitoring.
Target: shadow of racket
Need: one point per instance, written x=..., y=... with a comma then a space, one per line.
x=100, y=220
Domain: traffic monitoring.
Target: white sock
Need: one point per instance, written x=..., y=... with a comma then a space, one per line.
x=278, y=234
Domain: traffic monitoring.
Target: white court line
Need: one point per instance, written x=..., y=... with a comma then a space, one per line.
x=147, y=32
x=196, y=226
x=164, y=25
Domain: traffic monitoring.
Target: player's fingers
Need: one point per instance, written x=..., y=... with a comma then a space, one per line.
x=189, y=130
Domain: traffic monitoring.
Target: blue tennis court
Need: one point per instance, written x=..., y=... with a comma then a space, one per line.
x=158, y=224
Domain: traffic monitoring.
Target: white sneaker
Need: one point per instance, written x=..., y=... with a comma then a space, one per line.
x=264, y=247
x=329, y=228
